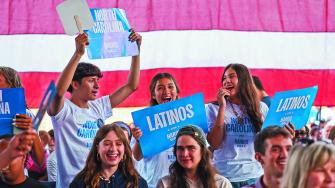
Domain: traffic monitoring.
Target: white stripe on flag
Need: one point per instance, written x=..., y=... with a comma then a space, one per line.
x=180, y=49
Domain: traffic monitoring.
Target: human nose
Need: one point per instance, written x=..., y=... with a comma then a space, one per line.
x=330, y=176
x=284, y=153
x=184, y=153
x=165, y=90
x=96, y=84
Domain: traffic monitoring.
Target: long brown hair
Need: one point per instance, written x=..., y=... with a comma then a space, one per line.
x=154, y=81
x=247, y=94
x=90, y=173
x=205, y=170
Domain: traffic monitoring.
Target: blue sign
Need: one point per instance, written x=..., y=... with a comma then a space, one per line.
x=161, y=123
x=291, y=106
x=12, y=102
x=46, y=101
x=109, y=36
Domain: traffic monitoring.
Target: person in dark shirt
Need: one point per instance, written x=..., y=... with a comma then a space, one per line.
x=264, y=97
x=109, y=163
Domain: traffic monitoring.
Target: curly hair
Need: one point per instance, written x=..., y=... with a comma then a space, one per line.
x=247, y=94
x=91, y=172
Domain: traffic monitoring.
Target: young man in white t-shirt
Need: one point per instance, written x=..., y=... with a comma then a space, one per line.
x=76, y=120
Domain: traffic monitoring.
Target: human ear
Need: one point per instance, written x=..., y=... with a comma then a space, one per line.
x=75, y=84
x=258, y=157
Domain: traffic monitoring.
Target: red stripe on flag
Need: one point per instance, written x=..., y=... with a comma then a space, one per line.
x=193, y=80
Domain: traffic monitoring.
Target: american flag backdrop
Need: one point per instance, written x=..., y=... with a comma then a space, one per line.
x=289, y=44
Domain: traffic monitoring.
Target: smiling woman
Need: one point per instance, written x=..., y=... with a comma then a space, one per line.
x=233, y=120
x=310, y=166
x=163, y=89
x=193, y=167
x=109, y=162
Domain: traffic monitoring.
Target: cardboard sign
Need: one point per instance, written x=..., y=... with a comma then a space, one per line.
x=291, y=106
x=109, y=36
x=68, y=10
x=160, y=124
x=12, y=102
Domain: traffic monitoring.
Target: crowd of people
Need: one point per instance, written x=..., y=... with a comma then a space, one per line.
x=82, y=151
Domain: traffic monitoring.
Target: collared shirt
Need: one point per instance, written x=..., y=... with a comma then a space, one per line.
x=259, y=184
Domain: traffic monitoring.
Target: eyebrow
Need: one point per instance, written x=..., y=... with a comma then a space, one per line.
x=118, y=140
x=280, y=145
x=169, y=84
x=186, y=146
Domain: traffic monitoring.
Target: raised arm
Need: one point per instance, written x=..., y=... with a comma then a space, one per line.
x=66, y=76
x=217, y=133
x=134, y=75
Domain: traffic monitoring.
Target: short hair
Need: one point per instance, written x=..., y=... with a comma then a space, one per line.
x=303, y=159
x=258, y=83
x=83, y=70
x=266, y=133
x=11, y=76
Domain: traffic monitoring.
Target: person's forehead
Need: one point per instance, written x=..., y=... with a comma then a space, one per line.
x=186, y=140
x=278, y=140
x=164, y=81
x=91, y=77
x=229, y=71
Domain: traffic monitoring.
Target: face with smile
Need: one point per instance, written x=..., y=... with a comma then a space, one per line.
x=188, y=152
x=3, y=82
x=165, y=91
x=323, y=176
x=87, y=89
x=230, y=82
x=275, y=157
x=111, y=150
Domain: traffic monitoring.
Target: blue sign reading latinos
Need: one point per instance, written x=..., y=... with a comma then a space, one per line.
x=291, y=106
x=12, y=102
x=109, y=36
x=161, y=123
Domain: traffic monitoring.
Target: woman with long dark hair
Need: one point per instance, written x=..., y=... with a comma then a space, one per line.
x=109, y=163
x=234, y=119
x=163, y=88
x=193, y=167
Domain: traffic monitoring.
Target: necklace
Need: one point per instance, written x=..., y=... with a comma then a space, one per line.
x=104, y=179
x=239, y=118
